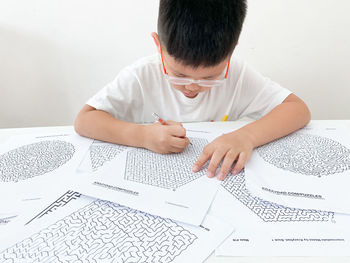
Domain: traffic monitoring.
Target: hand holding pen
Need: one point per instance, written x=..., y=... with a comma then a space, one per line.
x=165, y=136
x=160, y=120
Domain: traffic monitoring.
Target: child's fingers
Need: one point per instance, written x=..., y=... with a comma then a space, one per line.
x=214, y=163
x=169, y=122
x=202, y=159
x=180, y=143
x=177, y=130
x=175, y=149
x=230, y=157
x=242, y=159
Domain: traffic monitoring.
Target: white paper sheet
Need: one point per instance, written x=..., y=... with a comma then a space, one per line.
x=160, y=184
x=36, y=167
x=5, y=220
x=307, y=169
x=268, y=229
x=28, y=212
x=99, y=154
x=87, y=229
x=17, y=218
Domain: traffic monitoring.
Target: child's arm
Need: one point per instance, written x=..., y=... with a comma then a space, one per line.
x=100, y=125
x=291, y=115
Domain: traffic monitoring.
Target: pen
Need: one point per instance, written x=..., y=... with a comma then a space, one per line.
x=159, y=119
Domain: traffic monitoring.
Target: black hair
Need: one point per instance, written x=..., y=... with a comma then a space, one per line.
x=200, y=32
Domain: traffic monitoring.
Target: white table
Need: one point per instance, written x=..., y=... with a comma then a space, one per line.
x=226, y=127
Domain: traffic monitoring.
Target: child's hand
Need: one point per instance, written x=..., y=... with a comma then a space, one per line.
x=169, y=138
x=236, y=146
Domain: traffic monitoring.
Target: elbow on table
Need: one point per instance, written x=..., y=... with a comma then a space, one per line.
x=81, y=123
x=306, y=113
x=300, y=109
x=78, y=125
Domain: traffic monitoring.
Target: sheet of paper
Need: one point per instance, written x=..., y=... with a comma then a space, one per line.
x=159, y=184
x=99, y=154
x=268, y=229
x=34, y=167
x=5, y=220
x=214, y=127
x=308, y=169
x=30, y=212
x=87, y=229
x=18, y=218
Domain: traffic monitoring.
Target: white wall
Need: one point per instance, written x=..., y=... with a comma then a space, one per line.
x=55, y=54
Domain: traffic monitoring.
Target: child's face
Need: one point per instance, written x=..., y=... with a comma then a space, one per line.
x=176, y=69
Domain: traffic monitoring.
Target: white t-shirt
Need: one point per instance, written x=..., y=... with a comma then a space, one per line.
x=141, y=89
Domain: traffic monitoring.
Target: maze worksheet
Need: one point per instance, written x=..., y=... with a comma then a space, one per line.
x=307, y=154
x=100, y=153
x=31, y=161
x=271, y=212
x=24, y=215
x=60, y=202
x=91, y=230
x=34, y=160
x=167, y=171
x=160, y=184
x=308, y=169
x=269, y=229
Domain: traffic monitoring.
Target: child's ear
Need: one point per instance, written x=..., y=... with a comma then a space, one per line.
x=156, y=40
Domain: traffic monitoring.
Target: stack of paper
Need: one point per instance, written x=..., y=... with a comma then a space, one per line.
x=70, y=198
x=144, y=207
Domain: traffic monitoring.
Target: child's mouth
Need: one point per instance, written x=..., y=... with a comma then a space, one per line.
x=190, y=94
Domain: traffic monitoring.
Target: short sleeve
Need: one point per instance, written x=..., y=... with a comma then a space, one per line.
x=258, y=94
x=121, y=98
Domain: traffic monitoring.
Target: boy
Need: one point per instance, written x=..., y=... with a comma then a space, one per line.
x=193, y=78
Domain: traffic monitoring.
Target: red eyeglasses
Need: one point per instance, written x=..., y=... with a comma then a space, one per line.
x=188, y=81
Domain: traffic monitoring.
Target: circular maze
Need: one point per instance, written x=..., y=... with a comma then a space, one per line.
x=307, y=154
x=34, y=159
